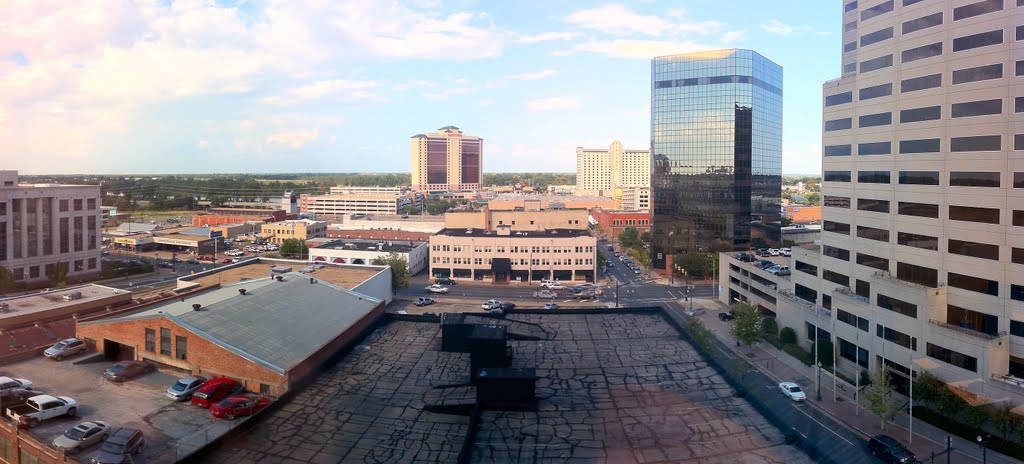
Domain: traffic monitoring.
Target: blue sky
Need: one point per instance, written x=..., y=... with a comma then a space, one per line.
x=340, y=86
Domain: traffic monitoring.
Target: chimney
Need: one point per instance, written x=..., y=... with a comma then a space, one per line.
x=196, y=306
x=241, y=291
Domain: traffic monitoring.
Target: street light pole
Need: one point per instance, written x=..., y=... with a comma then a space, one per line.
x=817, y=364
x=984, y=450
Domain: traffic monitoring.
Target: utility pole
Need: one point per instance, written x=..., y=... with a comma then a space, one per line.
x=817, y=364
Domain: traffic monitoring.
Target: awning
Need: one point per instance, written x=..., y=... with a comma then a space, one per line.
x=319, y=258
x=968, y=396
x=339, y=260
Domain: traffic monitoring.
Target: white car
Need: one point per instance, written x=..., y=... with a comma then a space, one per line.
x=556, y=286
x=7, y=383
x=550, y=306
x=792, y=391
x=773, y=251
x=437, y=289
x=785, y=252
x=424, y=301
x=491, y=304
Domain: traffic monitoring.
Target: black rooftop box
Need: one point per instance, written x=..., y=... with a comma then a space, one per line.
x=506, y=388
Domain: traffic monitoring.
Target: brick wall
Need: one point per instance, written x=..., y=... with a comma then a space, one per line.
x=16, y=444
x=379, y=234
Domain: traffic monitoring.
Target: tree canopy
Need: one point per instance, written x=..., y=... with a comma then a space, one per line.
x=295, y=248
x=399, y=270
x=746, y=326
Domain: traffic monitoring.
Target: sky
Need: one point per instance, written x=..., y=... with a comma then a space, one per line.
x=163, y=86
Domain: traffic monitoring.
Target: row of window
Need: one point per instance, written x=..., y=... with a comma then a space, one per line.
x=512, y=249
x=930, y=81
x=928, y=113
x=35, y=272
x=515, y=261
x=928, y=277
x=181, y=343
x=911, y=147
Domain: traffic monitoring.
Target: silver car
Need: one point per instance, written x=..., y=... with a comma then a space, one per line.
x=182, y=390
x=65, y=348
x=82, y=436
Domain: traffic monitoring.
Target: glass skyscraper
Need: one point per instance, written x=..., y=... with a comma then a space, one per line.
x=716, y=149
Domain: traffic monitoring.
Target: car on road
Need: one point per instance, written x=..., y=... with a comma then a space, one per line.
x=555, y=286
x=42, y=407
x=545, y=294
x=444, y=281
x=7, y=383
x=550, y=306
x=792, y=391
x=424, y=301
x=215, y=390
x=694, y=311
x=183, y=388
x=617, y=254
x=226, y=261
x=611, y=264
x=65, y=348
x=507, y=306
x=82, y=436
x=726, y=317
x=126, y=370
x=192, y=261
x=437, y=288
x=491, y=304
x=636, y=271
x=165, y=264
x=890, y=450
x=119, y=448
x=239, y=405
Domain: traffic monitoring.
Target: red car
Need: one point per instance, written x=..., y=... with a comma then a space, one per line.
x=226, y=261
x=215, y=390
x=239, y=405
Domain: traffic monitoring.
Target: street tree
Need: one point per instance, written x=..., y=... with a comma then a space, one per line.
x=294, y=248
x=410, y=210
x=630, y=238
x=6, y=280
x=746, y=326
x=58, y=274
x=399, y=270
x=879, y=395
x=602, y=260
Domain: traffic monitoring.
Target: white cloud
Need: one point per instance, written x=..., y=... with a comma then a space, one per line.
x=203, y=144
x=323, y=89
x=733, y=36
x=293, y=139
x=628, y=48
x=448, y=92
x=777, y=27
x=413, y=84
x=547, y=37
x=552, y=103
x=618, y=19
x=532, y=76
x=460, y=80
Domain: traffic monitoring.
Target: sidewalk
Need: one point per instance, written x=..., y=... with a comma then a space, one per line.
x=839, y=403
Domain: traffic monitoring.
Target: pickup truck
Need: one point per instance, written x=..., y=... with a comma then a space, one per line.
x=42, y=407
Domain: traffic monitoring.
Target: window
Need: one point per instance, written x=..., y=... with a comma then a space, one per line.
x=264, y=389
x=977, y=108
x=928, y=113
x=977, y=9
x=980, y=73
x=849, y=68
x=852, y=319
x=872, y=120
x=1018, y=218
x=853, y=353
x=923, y=22
x=974, y=284
x=1018, y=141
x=1018, y=105
x=926, y=242
x=849, y=47
x=920, y=53
x=150, y=340
x=873, y=233
x=839, y=98
x=1017, y=292
x=976, y=143
x=863, y=289
x=914, y=84
x=974, y=249
x=876, y=10
x=1020, y=33
x=875, y=64
x=874, y=148
x=881, y=264
x=838, y=150
x=837, y=227
x=850, y=26
x=974, y=214
x=850, y=6
x=908, y=147
x=983, y=39
x=955, y=358
x=836, y=202
x=917, y=274
x=895, y=305
x=63, y=206
x=806, y=268
x=974, y=179
x=896, y=337
x=1017, y=328
x=835, y=277
x=875, y=37
x=1017, y=255
x=836, y=176
x=911, y=2
x=181, y=347
x=1019, y=68
x=873, y=177
x=869, y=204
x=919, y=177
x=165, y=341
x=805, y=293
x=1018, y=180
x=78, y=204
x=838, y=124
x=837, y=253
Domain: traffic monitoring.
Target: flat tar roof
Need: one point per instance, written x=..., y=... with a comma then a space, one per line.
x=400, y=246
x=552, y=233
x=342, y=276
x=53, y=299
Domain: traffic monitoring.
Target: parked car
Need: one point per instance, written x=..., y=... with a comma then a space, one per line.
x=165, y=264
x=82, y=436
x=42, y=407
x=239, y=405
x=215, y=390
x=444, y=281
x=792, y=391
x=126, y=370
x=785, y=252
x=491, y=304
x=7, y=383
x=226, y=261
x=890, y=450
x=17, y=396
x=556, y=286
x=65, y=348
x=744, y=257
x=545, y=294
x=694, y=311
x=183, y=388
x=763, y=252
x=550, y=306
x=424, y=301
x=773, y=251
x=437, y=289
x=780, y=270
x=726, y=317
x=122, y=444
x=611, y=265
x=765, y=263
x=507, y=306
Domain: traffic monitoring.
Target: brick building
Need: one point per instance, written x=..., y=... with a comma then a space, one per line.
x=380, y=234
x=802, y=214
x=220, y=216
x=614, y=223
x=267, y=333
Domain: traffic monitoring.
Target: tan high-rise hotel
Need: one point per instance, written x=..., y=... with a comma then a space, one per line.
x=446, y=161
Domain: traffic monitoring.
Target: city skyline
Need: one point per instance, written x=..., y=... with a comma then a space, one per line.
x=255, y=87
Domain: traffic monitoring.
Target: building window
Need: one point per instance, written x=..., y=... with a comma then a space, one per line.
x=837, y=227
x=874, y=148
x=925, y=242
x=908, y=147
x=838, y=124
x=928, y=113
x=872, y=120
x=838, y=150
x=875, y=262
x=955, y=358
x=878, y=63
x=919, y=53
x=919, y=178
x=852, y=319
x=806, y=268
x=78, y=204
x=875, y=91
x=181, y=347
x=165, y=341
x=914, y=84
x=923, y=22
x=974, y=284
x=839, y=98
x=976, y=143
x=836, y=176
x=973, y=214
x=979, y=73
x=907, y=208
x=896, y=337
x=873, y=177
x=837, y=253
x=1017, y=328
x=872, y=233
x=877, y=10
x=917, y=274
x=896, y=305
x=805, y=293
x=977, y=108
x=853, y=353
x=974, y=179
x=63, y=206
x=150, y=340
x=835, y=277
x=836, y=202
x=977, y=9
x=875, y=37
x=983, y=39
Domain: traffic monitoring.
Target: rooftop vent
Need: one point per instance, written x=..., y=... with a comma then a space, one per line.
x=4, y=308
x=72, y=296
x=241, y=291
x=196, y=306
x=280, y=279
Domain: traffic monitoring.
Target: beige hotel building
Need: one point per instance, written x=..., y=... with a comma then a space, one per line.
x=447, y=161
x=921, y=262
x=615, y=172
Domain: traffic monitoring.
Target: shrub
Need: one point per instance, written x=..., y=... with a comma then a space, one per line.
x=770, y=326
x=788, y=336
x=799, y=353
x=773, y=340
x=967, y=432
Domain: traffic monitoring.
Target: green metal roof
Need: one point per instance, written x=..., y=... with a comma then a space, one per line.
x=448, y=128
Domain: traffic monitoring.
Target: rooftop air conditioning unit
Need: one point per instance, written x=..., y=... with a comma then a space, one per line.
x=72, y=296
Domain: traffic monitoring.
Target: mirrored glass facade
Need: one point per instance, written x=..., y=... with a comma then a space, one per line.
x=716, y=147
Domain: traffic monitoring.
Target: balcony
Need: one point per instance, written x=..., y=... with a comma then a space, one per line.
x=974, y=335
x=1009, y=379
x=810, y=308
x=849, y=294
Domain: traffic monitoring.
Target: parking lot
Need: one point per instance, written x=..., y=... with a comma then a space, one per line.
x=172, y=429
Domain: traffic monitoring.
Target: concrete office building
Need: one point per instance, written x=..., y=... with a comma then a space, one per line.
x=363, y=252
x=716, y=142
x=503, y=255
x=447, y=160
x=612, y=167
x=361, y=200
x=302, y=229
x=518, y=220
x=921, y=264
x=46, y=225
x=513, y=201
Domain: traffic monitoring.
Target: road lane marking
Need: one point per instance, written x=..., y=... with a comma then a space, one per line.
x=822, y=425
